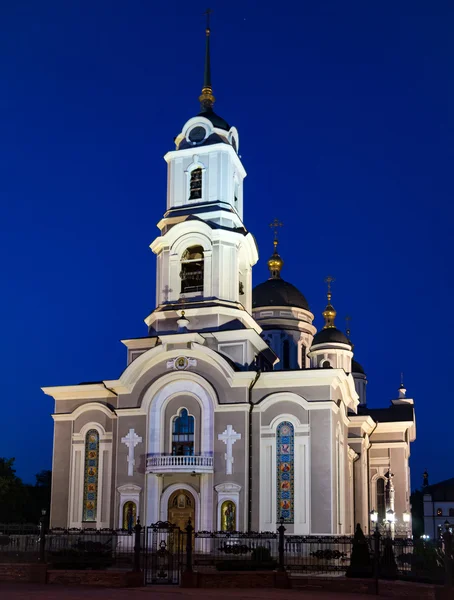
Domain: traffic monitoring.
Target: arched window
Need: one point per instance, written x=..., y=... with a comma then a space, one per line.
x=303, y=356
x=183, y=434
x=451, y=512
x=439, y=512
x=326, y=364
x=195, y=184
x=90, y=499
x=192, y=270
x=286, y=354
x=381, y=503
x=285, y=471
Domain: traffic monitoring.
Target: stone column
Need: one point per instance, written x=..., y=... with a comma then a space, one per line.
x=153, y=499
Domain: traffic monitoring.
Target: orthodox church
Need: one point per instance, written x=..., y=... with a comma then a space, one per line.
x=234, y=410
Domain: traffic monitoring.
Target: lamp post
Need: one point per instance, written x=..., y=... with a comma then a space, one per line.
x=406, y=517
x=374, y=520
x=391, y=519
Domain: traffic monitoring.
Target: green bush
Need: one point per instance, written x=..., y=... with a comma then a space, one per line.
x=261, y=554
x=360, y=562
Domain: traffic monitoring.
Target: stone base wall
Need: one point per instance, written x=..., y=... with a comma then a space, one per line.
x=112, y=579
x=38, y=573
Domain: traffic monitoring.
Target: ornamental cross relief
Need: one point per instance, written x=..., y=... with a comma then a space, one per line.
x=229, y=437
x=131, y=440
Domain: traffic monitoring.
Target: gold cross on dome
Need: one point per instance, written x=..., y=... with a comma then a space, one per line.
x=275, y=224
x=329, y=280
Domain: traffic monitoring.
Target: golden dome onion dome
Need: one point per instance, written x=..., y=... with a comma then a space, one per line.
x=329, y=314
x=275, y=264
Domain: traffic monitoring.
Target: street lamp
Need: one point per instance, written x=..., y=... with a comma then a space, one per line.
x=406, y=517
x=373, y=515
x=391, y=519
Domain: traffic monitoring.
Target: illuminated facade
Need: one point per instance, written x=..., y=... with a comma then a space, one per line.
x=233, y=410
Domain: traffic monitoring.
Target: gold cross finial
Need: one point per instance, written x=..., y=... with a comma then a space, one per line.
x=275, y=224
x=208, y=13
x=329, y=280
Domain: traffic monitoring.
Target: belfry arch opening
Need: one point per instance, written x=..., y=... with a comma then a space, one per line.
x=192, y=270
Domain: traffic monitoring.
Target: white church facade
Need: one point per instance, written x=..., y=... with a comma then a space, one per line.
x=233, y=410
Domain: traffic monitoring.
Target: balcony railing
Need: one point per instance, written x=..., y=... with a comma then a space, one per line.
x=179, y=464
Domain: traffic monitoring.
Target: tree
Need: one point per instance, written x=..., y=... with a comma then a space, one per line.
x=19, y=502
x=13, y=493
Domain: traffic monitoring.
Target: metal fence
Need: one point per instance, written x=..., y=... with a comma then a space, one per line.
x=68, y=548
x=162, y=551
x=317, y=555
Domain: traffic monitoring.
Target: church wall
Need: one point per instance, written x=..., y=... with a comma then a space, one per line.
x=60, y=474
x=321, y=472
x=240, y=451
x=361, y=486
x=255, y=474
x=93, y=416
x=225, y=393
x=68, y=406
x=283, y=407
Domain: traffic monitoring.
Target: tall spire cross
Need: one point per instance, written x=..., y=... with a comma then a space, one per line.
x=208, y=13
x=206, y=98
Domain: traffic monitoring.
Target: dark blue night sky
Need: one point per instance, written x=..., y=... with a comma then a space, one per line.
x=345, y=115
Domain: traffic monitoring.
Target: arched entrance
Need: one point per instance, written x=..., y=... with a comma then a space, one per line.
x=181, y=508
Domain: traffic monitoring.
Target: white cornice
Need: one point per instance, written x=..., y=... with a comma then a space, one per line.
x=393, y=426
x=389, y=444
x=366, y=422
x=92, y=391
x=140, y=343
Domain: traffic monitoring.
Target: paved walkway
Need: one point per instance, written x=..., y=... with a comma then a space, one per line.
x=24, y=591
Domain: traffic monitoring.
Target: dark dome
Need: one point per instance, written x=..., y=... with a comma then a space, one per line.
x=214, y=118
x=277, y=292
x=357, y=368
x=331, y=334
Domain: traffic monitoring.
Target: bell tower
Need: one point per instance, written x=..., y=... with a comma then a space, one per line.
x=204, y=252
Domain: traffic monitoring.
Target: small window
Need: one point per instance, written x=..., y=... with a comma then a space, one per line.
x=326, y=364
x=451, y=512
x=303, y=356
x=192, y=270
x=183, y=434
x=195, y=185
x=439, y=512
x=235, y=193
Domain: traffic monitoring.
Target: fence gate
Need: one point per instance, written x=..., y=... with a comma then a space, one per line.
x=164, y=544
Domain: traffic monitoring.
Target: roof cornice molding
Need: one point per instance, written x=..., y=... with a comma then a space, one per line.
x=84, y=391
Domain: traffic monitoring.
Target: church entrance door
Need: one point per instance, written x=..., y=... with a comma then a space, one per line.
x=181, y=508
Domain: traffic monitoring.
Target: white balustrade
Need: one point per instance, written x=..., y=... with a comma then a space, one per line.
x=179, y=464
